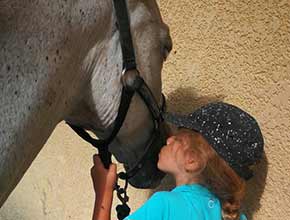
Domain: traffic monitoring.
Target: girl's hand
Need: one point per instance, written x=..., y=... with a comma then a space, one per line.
x=104, y=180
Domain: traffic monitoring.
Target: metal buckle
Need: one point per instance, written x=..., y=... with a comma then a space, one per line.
x=131, y=79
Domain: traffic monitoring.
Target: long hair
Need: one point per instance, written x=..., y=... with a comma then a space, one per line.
x=220, y=178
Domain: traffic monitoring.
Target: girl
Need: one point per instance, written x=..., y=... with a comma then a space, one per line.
x=209, y=157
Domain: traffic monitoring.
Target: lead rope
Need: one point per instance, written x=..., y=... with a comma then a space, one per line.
x=123, y=210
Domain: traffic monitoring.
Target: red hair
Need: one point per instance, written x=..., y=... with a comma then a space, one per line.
x=219, y=178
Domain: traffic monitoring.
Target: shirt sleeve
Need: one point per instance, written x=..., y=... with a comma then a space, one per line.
x=153, y=208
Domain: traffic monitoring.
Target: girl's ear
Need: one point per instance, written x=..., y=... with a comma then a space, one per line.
x=193, y=163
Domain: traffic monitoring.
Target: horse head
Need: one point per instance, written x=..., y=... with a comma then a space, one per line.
x=97, y=108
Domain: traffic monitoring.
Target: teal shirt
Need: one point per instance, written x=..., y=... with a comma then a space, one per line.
x=186, y=202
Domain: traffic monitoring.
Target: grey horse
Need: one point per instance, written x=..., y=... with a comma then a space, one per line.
x=61, y=60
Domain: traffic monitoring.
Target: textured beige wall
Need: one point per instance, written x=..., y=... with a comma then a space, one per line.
x=236, y=51
x=239, y=52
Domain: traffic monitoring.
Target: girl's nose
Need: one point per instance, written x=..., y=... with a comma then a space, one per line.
x=170, y=140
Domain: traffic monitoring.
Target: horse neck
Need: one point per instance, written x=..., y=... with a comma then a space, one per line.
x=101, y=99
x=41, y=75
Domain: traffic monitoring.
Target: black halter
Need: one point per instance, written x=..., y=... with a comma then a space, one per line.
x=132, y=82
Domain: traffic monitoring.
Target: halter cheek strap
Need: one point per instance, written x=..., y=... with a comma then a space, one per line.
x=123, y=24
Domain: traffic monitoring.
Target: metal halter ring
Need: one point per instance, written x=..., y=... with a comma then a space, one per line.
x=131, y=79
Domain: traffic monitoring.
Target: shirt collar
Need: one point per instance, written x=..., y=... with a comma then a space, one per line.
x=195, y=188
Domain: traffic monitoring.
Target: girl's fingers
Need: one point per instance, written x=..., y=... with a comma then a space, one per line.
x=96, y=158
x=98, y=162
x=112, y=174
x=113, y=168
x=99, y=167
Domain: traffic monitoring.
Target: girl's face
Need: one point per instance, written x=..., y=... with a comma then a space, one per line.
x=177, y=153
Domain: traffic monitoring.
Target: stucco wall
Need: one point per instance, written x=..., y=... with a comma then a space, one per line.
x=235, y=51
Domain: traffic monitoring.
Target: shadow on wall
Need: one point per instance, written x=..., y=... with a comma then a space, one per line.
x=185, y=100
x=255, y=188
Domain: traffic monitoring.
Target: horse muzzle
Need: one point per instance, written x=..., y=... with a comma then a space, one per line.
x=144, y=173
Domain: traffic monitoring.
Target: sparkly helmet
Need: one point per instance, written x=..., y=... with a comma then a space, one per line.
x=233, y=134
